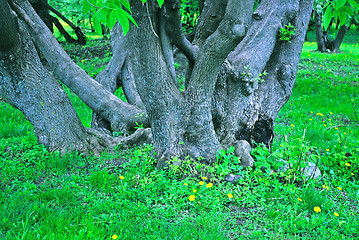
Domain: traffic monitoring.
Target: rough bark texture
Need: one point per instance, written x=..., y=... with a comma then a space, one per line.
x=28, y=86
x=241, y=103
x=246, y=104
x=122, y=115
x=227, y=97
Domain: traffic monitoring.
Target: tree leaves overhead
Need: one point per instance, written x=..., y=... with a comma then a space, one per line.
x=341, y=10
x=107, y=12
x=327, y=17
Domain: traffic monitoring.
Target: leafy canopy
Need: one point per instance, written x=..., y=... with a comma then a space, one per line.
x=107, y=12
x=335, y=10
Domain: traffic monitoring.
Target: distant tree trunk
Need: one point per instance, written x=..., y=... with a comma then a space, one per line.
x=43, y=10
x=322, y=37
x=319, y=33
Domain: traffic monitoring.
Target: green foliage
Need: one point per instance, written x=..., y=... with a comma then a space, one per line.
x=190, y=14
x=72, y=9
x=287, y=32
x=341, y=10
x=107, y=12
x=227, y=162
x=47, y=196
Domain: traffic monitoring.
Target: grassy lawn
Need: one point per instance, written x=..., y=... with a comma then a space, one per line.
x=45, y=196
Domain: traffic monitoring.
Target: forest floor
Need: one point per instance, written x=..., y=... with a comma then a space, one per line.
x=45, y=196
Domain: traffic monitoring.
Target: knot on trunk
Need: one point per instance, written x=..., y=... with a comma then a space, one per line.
x=284, y=72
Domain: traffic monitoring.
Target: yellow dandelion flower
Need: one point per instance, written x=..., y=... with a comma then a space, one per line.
x=325, y=125
x=192, y=197
x=185, y=184
x=194, y=190
x=230, y=195
x=310, y=119
x=336, y=214
x=201, y=183
x=352, y=174
x=209, y=185
x=299, y=199
x=292, y=125
x=326, y=187
x=319, y=114
x=331, y=113
x=311, y=111
x=204, y=178
x=339, y=188
x=347, y=164
x=114, y=236
x=336, y=128
x=327, y=150
x=122, y=177
x=317, y=209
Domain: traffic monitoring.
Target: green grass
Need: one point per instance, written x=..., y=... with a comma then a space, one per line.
x=45, y=196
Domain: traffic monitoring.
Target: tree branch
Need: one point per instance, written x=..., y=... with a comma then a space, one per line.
x=123, y=116
x=211, y=15
x=232, y=29
x=172, y=16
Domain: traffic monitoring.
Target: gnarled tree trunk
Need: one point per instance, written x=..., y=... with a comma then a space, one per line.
x=239, y=76
x=27, y=85
x=227, y=96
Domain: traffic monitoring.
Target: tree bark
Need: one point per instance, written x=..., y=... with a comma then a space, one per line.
x=28, y=86
x=122, y=115
x=241, y=74
x=322, y=37
x=339, y=38
x=246, y=104
x=319, y=33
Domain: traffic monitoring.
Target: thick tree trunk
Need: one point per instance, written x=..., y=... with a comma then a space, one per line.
x=247, y=101
x=28, y=86
x=122, y=115
x=240, y=73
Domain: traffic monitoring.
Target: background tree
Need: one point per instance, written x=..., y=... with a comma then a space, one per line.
x=240, y=73
x=329, y=12
x=43, y=8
